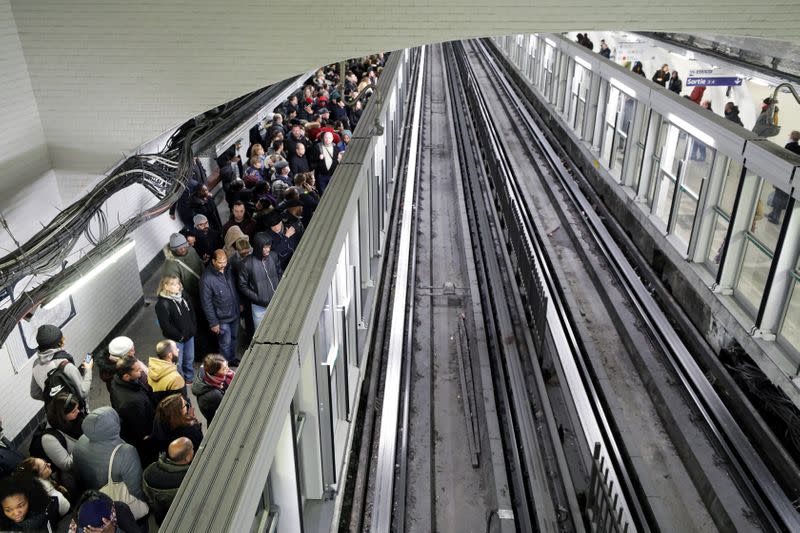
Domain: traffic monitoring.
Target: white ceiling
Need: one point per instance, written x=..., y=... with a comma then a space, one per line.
x=106, y=75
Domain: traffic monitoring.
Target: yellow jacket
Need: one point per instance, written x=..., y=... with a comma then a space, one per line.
x=163, y=376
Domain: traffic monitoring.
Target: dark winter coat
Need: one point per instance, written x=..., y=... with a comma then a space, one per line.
x=218, y=296
x=207, y=242
x=160, y=483
x=675, y=85
x=281, y=246
x=733, y=116
x=162, y=436
x=177, y=320
x=661, y=77
x=208, y=397
x=299, y=164
x=259, y=276
x=136, y=410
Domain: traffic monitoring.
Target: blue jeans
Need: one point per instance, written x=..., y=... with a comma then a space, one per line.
x=186, y=359
x=258, y=314
x=227, y=339
x=322, y=183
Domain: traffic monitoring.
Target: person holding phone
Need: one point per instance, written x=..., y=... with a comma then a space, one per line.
x=50, y=356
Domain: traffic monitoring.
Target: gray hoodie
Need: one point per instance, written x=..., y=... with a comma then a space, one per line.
x=44, y=363
x=93, y=451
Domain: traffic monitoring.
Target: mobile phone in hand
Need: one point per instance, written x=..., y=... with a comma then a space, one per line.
x=88, y=358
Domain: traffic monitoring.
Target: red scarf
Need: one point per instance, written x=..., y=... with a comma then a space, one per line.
x=219, y=382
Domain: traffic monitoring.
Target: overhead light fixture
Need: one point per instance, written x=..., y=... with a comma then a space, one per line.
x=759, y=81
x=694, y=131
x=86, y=278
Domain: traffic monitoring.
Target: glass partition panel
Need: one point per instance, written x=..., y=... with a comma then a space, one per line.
x=790, y=329
x=684, y=218
x=761, y=226
x=697, y=169
x=666, y=190
x=729, y=186
x=720, y=230
x=753, y=273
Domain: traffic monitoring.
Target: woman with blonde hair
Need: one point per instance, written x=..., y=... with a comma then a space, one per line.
x=178, y=322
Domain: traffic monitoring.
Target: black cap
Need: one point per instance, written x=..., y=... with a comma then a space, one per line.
x=273, y=218
x=48, y=336
x=292, y=203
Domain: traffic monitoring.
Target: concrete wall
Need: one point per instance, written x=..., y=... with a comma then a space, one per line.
x=109, y=75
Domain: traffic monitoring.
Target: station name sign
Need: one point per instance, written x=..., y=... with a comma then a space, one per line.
x=712, y=78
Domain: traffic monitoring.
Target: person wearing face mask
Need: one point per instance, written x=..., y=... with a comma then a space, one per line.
x=26, y=504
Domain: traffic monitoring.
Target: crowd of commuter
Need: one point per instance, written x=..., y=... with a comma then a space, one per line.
x=110, y=468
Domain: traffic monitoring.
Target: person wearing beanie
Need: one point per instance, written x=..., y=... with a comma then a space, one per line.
x=50, y=355
x=119, y=348
x=183, y=262
x=208, y=238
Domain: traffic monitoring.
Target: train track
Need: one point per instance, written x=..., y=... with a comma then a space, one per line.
x=769, y=507
x=602, y=420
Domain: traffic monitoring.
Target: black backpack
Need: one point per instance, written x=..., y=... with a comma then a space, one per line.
x=37, y=450
x=58, y=381
x=9, y=458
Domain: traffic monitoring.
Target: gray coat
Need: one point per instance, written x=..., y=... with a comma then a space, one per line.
x=44, y=363
x=94, y=448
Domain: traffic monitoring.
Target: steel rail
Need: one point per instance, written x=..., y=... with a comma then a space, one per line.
x=384, y=485
x=753, y=475
x=597, y=426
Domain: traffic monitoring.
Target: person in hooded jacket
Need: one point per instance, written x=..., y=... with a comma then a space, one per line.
x=163, y=376
x=93, y=452
x=259, y=276
x=178, y=320
x=134, y=404
x=50, y=355
x=26, y=504
x=234, y=234
x=212, y=383
x=281, y=245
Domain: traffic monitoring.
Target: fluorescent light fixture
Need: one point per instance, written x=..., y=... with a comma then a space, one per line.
x=622, y=87
x=582, y=62
x=692, y=130
x=83, y=280
x=550, y=42
x=759, y=81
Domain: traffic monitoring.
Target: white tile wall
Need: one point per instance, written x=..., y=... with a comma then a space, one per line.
x=99, y=306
